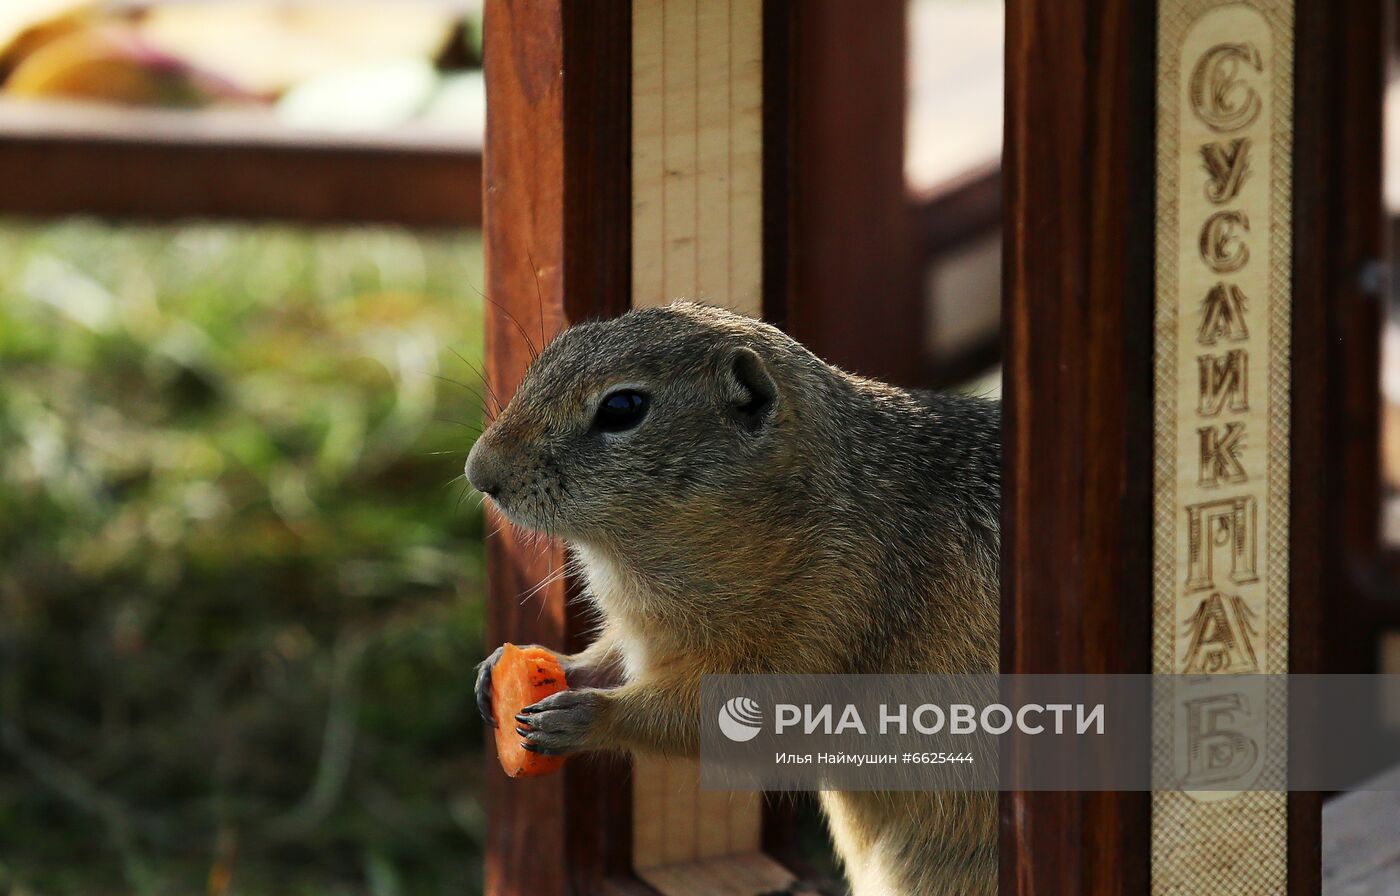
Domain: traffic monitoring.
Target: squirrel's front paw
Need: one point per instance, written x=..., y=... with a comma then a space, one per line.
x=483, y=685
x=563, y=722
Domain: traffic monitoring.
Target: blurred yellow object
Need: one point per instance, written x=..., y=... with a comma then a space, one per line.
x=26, y=25
x=112, y=64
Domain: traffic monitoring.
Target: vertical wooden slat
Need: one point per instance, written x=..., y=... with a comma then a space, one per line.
x=745, y=826
x=558, y=224
x=680, y=142
x=681, y=812
x=1075, y=545
x=1077, y=318
x=855, y=296
x=697, y=189
x=650, y=793
x=712, y=140
x=751, y=150
x=713, y=833
x=648, y=150
x=1234, y=842
x=1339, y=187
x=605, y=190
x=1339, y=294
x=698, y=234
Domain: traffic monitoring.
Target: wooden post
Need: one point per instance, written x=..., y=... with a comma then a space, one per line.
x=1077, y=344
x=1339, y=291
x=1341, y=228
x=857, y=299
x=635, y=154
x=1117, y=115
x=558, y=229
x=698, y=207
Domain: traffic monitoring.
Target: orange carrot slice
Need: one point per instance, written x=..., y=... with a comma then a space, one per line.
x=522, y=677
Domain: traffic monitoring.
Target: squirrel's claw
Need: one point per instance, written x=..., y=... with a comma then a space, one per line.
x=543, y=751
x=560, y=723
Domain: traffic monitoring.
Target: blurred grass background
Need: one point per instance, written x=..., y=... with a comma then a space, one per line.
x=240, y=594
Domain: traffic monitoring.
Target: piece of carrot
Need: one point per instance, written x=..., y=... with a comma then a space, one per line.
x=522, y=677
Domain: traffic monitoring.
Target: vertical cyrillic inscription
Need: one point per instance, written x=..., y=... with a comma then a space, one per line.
x=1221, y=523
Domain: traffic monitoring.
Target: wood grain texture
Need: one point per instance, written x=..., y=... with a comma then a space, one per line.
x=650, y=796
x=697, y=233
x=1231, y=843
x=557, y=250
x=1337, y=233
x=746, y=820
x=1077, y=336
x=697, y=189
x=745, y=874
x=678, y=823
x=680, y=814
x=129, y=176
x=855, y=295
x=1338, y=574
x=1338, y=182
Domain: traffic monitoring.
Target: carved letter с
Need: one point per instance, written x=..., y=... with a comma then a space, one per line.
x=1219, y=97
x=1221, y=246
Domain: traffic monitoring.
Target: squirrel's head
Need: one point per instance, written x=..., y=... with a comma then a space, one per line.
x=621, y=424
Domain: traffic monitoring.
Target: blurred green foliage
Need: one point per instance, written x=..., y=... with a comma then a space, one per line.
x=240, y=597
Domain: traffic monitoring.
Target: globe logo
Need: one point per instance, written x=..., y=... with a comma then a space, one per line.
x=740, y=718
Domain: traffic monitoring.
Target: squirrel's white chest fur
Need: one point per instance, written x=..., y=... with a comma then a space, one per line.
x=617, y=596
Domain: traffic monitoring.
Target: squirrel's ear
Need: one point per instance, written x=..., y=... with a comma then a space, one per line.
x=751, y=391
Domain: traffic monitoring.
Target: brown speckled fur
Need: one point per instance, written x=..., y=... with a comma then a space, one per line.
x=846, y=527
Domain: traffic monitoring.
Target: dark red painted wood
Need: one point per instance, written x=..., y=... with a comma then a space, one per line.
x=855, y=300
x=558, y=224
x=558, y=243
x=1076, y=546
x=132, y=174
x=1077, y=341
x=1341, y=590
x=1341, y=240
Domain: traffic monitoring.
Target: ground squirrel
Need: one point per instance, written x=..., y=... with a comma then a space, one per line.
x=736, y=505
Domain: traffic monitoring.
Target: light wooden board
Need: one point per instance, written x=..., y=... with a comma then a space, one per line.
x=697, y=215
x=748, y=873
x=697, y=147
x=1225, y=81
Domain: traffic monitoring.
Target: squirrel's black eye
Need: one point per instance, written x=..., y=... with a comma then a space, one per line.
x=621, y=410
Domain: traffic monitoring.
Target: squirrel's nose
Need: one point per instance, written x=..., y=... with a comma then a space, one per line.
x=481, y=469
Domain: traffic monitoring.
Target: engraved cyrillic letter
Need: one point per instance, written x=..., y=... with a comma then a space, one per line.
x=1221, y=637
x=1219, y=97
x=1220, y=455
x=1224, y=140
x=1221, y=245
x=1217, y=754
x=1222, y=315
x=1228, y=166
x=1228, y=523
x=1223, y=378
